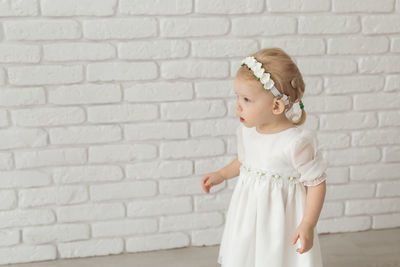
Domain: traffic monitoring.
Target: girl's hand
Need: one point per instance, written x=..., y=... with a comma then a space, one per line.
x=306, y=233
x=211, y=179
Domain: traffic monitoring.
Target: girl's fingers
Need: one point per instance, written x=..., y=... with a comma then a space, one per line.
x=295, y=237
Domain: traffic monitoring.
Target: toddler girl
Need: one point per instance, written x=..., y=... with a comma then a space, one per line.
x=281, y=187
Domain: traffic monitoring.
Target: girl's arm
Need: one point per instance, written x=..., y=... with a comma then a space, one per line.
x=314, y=202
x=231, y=170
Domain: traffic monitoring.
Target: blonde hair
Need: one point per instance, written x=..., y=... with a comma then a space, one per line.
x=285, y=74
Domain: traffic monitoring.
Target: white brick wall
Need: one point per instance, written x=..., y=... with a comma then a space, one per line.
x=111, y=111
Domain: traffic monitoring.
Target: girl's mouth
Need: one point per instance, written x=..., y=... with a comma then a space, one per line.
x=241, y=119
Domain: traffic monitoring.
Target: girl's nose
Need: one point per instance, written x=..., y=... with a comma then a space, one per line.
x=238, y=107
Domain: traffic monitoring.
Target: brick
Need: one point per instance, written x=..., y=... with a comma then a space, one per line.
x=86, y=174
x=181, y=186
x=388, y=189
x=395, y=44
x=159, y=169
x=192, y=110
x=348, y=121
x=122, y=113
x=48, y=116
x=97, y=247
x=375, y=172
x=2, y=76
x=213, y=127
x=157, y=130
x=347, y=157
x=380, y=24
x=316, y=104
x=191, y=148
x=157, y=49
x=372, y=206
x=344, y=224
x=156, y=242
x=90, y=212
x=194, y=69
x=363, y=6
x=332, y=209
x=354, y=84
x=10, y=8
x=380, y=101
x=124, y=228
x=389, y=118
x=11, y=53
x=158, y=92
x=210, y=164
x=379, y=64
x=6, y=161
x=350, y=191
x=193, y=27
x=207, y=237
x=123, y=190
x=121, y=153
x=4, y=121
x=214, y=89
x=190, y=221
x=334, y=140
x=385, y=221
x=78, y=7
x=52, y=196
x=263, y=26
x=85, y=134
x=357, y=45
x=78, y=51
x=333, y=24
x=390, y=154
x=320, y=66
x=8, y=199
x=121, y=71
x=50, y=157
x=119, y=28
x=228, y=7
x=55, y=233
x=161, y=206
x=9, y=237
x=212, y=202
x=392, y=83
x=46, y=74
x=19, y=218
x=22, y=138
x=22, y=96
x=297, y=46
x=154, y=7
x=24, y=179
x=298, y=6
x=85, y=94
x=222, y=48
x=42, y=30
x=25, y=253
x=376, y=137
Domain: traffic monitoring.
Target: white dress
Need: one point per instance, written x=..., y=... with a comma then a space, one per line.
x=269, y=198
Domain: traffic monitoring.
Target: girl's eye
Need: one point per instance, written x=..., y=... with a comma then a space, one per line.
x=246, y=99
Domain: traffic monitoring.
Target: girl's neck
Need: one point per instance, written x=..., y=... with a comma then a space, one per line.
x=275, y=127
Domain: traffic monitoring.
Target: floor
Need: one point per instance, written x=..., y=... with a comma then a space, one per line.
x=374, y=248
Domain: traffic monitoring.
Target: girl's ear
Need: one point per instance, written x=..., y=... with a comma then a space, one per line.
x=278, y=106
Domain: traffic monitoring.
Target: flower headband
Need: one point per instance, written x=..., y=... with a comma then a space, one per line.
x=265, y=78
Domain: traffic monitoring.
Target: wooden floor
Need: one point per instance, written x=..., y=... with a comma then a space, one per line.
x=374, y=248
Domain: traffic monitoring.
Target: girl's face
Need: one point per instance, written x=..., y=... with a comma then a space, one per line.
x=254, y=104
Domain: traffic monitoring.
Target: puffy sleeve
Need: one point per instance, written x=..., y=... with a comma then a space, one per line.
x=307, y=159
x=239, y=139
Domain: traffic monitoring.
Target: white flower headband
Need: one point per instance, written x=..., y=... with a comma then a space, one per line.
x=264, y=78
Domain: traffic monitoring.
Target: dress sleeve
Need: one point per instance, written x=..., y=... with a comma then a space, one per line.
x=307, y=159
x=239, y=140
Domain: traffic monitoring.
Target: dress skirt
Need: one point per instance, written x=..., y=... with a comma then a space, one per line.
x=263, y=214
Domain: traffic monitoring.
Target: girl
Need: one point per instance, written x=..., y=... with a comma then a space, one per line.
x=281, y=187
